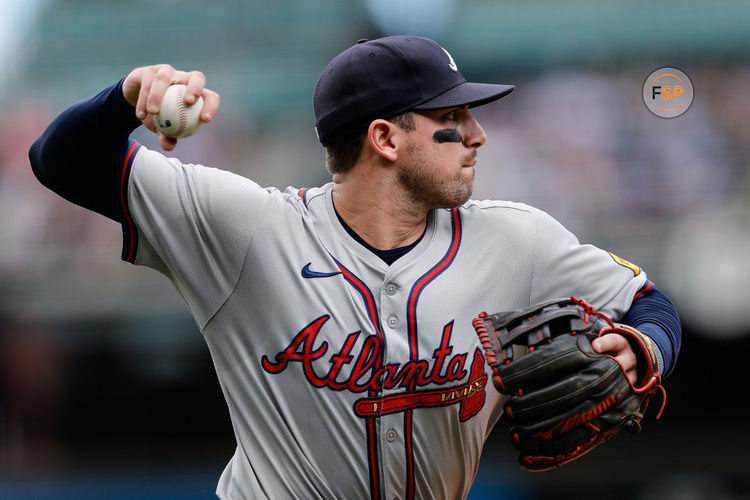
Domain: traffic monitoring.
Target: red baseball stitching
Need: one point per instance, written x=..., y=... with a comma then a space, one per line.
x=183, y=113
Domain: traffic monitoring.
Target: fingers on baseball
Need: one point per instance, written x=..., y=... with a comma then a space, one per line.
x=211, y=102
x=146, y=75
x=154, y=81
x=195, y=81
x=164, y=76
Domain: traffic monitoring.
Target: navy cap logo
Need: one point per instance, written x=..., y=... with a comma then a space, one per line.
x=385, y=77
x=452, y=63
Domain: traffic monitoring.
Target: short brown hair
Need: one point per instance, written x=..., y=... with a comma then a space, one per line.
x=343, y=154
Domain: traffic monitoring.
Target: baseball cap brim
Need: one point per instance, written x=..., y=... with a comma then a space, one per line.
x=467, y=93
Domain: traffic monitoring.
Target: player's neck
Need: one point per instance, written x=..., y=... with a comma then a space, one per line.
x=375, y=214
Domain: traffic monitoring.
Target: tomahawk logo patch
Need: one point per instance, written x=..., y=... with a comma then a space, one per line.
x=451, y=63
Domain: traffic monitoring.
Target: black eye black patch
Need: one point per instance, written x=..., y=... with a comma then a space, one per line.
x=447, y=135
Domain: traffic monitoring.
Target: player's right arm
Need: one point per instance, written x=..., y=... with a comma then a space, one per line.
x=192, y=223
x=80, y=154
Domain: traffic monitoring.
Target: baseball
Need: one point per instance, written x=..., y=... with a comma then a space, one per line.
x=175, y=118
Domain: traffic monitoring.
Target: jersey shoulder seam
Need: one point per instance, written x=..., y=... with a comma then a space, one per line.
x=497, y=204
x=250, y=235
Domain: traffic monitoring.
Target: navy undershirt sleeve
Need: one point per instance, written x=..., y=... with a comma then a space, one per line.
x=80, y=154
x=654, y=315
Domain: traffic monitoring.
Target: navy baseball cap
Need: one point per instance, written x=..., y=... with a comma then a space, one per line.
x=385, y=77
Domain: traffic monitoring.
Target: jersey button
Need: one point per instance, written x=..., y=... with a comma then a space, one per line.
x=391, y=289
x=391, y=435
x=392, y=321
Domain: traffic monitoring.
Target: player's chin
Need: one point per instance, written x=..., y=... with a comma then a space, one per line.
x=462, y=192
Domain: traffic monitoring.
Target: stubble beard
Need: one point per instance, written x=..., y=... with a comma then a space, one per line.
x=427, y=191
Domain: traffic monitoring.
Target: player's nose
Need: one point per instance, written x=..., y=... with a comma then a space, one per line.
x=473, y=133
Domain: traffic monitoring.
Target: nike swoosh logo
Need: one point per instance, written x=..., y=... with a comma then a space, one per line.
x=309, y=273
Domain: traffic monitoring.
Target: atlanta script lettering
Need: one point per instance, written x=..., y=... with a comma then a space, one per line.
x=367, y=372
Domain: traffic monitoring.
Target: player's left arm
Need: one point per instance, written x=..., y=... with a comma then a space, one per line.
x=654, y=316
x=564, y=267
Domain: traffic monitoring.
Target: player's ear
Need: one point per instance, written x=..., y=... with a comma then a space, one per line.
x=381, y=135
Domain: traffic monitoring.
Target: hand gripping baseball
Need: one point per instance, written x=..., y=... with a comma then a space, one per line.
x=564, y=399
x=144, y=89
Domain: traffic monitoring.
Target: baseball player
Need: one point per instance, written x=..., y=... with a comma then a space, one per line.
x=339, y=317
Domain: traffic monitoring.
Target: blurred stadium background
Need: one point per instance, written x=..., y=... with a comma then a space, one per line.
x=106, y=388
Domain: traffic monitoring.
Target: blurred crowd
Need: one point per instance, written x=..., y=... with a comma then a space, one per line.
x=579, y=144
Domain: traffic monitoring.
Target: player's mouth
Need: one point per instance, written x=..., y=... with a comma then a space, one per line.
x=472, y=160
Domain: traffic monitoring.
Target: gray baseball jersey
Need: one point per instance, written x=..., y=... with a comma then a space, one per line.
x=346, y=377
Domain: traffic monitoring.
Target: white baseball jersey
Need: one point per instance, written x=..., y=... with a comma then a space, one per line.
x=345, y=377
